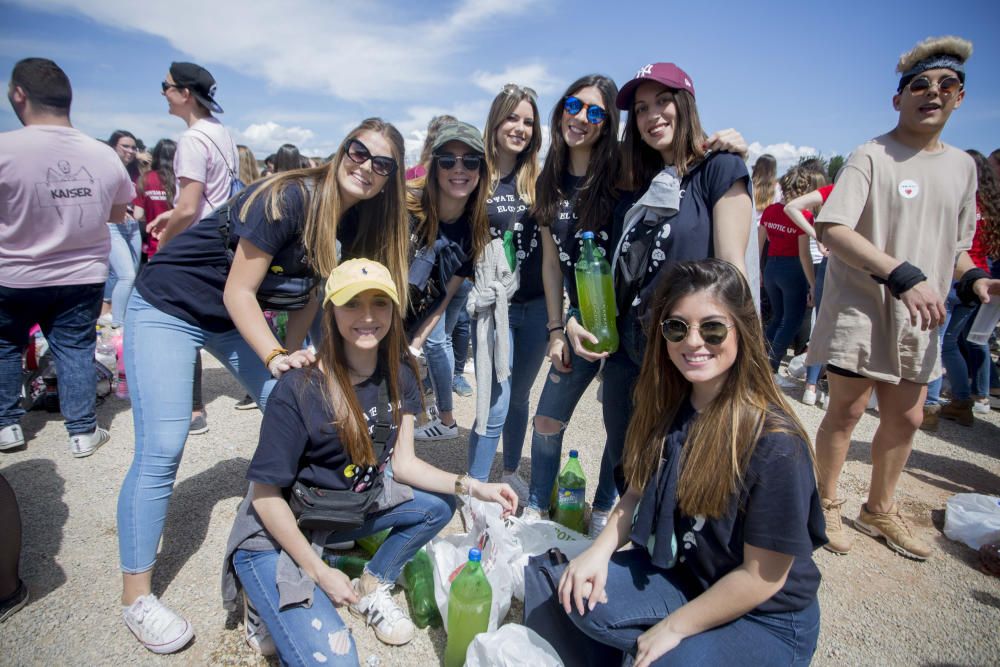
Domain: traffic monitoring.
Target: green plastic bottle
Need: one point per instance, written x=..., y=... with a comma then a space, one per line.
x=469, y=605
x=595, y=290
x=572, y=494
x=418, y=580
x=352, y=566
x=370, y=543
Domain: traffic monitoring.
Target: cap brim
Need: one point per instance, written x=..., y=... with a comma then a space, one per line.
x=624, y=98
x=345, y=294
x=212, y=105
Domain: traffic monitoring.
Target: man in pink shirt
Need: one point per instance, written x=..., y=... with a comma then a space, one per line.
x=58, y=188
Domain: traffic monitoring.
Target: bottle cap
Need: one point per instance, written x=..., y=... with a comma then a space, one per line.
x=573, y=454
x=475, y=555
x=587, y=235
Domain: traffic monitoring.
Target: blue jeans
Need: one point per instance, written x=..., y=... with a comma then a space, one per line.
x=787, y=290
x=460, y=337
x=639, y=596
x=67, y=315
x=126, y=247
x=509, y=400
x=160, y=353
x=974, y=363
x=439, y=352
x=813, y=372
x=413, y=524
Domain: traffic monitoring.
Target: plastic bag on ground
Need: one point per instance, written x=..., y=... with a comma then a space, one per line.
x=537, y=537
x=797, y=366
x=512, y=645
x=973, y=519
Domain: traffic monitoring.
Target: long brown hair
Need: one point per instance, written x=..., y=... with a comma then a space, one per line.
x=597, y=194
x=764, y=178
x=349, y=416
x=723, y=436
x=642, y=162
x=526, y=166
x=422, y=198
x=383, y=232
x=988, y=197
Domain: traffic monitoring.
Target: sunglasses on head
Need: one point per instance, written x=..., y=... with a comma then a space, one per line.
x=595, y=114
x=359, y=154
x=946, y=86
x=447, y=161
x=514, y=89
x=713, y=333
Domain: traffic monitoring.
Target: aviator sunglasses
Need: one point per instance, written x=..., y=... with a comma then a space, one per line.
x=713, y=333
x=946, y=86
x=359, y=154
x=447, y=161
x=595, y=114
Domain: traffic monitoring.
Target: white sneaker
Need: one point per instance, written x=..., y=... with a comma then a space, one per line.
x=390, y=622
x=530, y=514
x=87, y=443
x=809, y=397
x=341, y=546
x=598, y=520
x=12, y=437
x=435, y=430
x=873, y=402
x=981, y=407
x=785, y=382
x=519, y=485
x=158, y=627
x=257, y=636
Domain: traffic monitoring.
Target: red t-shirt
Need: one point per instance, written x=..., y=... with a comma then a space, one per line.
x=825, y=191
x=782, y=234
x=153, y=200
x=978, y=250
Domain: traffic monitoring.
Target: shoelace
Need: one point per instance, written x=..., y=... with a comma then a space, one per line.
x=154, y=616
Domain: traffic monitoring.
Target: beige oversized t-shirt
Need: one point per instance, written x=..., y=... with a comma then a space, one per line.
x=918, y=207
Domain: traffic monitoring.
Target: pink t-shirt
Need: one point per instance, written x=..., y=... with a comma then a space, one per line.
x=199, y=159
x=57, y=187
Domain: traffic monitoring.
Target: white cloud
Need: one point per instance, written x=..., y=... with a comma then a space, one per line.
x=786, y=154
x=355, y=51
x=535, y=75
x=269, y=135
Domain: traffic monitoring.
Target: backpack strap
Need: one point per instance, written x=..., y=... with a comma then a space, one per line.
x=383, y=422
x=233, y=175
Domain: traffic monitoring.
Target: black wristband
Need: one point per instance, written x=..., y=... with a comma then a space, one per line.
x=902, y=278
x=558, y=328
x=963, y=288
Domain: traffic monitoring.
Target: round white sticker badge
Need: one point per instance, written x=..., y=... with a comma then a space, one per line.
x=909, y=189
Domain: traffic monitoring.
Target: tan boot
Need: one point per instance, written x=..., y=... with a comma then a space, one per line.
x=895, y=530
x=931, y=417
x=960, y=411
x=838, y=541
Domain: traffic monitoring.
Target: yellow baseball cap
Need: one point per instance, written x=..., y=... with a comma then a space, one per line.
x=354, y=276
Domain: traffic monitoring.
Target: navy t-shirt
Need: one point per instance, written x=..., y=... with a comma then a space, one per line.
x=567, y=236
x=689, y=234
x=460, y=232
x=187, y=277
x=507, y=211
x=299, y=441
x=778, y=509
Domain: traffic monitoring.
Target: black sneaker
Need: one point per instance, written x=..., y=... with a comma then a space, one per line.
x=12, y=604
x=199, y=424
x=247, y=403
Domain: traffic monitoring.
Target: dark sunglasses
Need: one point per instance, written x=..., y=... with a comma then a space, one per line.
x=166, y=85
x=595, y=114
x=359, y=154
x=713, y=333
x=946, y=86
x=447, y=161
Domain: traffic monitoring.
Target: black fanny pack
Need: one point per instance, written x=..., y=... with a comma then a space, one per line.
x=341, y=510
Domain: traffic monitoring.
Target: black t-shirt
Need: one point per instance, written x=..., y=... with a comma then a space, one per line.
x=689, y=234
x=567, y=235
x=507, y=211
x=299, y=441
x=777, y=509
x=459, y=232
x=187, y=277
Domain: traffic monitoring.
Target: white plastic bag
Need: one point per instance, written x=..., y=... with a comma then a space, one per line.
x=973, y=519
x=537, y=537
x=512, y=645
x=490, y=535
x=797, y=366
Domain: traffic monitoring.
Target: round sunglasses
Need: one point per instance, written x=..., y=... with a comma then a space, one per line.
x=595, y=114
x=447, y=161
x=713, y=333
x=946, y=86
x=359, y=154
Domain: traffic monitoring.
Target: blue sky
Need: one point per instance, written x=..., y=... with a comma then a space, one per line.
x=794, y=77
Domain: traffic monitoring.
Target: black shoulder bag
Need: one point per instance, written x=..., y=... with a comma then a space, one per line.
x=340, y=510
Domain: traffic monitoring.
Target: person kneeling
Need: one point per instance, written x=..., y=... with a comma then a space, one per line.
x=329, y=434
x=721, y=505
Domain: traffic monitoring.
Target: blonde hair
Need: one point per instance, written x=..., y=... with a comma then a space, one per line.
x=764, y=178
x=799, y=180
x=249, y=172
x=949, y=45
x=383, y=231
x=526, y=167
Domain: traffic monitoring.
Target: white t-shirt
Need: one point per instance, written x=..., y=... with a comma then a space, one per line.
x=57, y=187
x=206, y=153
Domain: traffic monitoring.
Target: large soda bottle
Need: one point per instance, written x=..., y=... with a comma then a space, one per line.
x=370, y=543
x=418, y=579
x=595, y=290
x=571, y=496
x=352, y=566
x=469, y=605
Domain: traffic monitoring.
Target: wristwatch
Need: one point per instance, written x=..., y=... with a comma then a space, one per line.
x=462, y=487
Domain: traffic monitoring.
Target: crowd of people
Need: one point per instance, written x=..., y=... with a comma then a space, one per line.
x=388, y=275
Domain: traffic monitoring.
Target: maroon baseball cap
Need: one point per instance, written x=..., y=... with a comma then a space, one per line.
x=669, y=74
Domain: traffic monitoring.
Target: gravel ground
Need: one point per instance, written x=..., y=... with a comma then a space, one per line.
x=878, y=608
